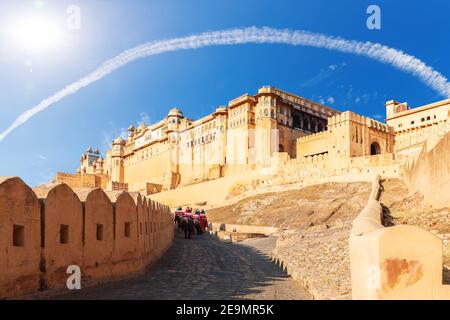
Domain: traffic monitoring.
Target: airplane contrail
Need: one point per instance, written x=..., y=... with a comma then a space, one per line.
x=398, y=59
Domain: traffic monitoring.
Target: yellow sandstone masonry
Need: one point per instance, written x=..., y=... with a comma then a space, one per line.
x=270, y=132
x=267, y=139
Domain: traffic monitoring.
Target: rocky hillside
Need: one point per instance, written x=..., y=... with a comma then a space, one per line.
x=318, y=219
x=317, y=222
x=297, y=209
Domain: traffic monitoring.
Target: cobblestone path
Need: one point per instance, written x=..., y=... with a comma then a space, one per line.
x=204, y=268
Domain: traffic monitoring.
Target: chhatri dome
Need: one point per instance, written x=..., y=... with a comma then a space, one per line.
x=118, y=140
x=175, y=112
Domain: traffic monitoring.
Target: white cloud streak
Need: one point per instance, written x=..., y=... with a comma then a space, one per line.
x=379, y=52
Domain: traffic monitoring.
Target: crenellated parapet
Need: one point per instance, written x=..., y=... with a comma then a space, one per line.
x=318, y=158
x=46, y=229
x=114, y=186
x=313, y=137
x=359, y=119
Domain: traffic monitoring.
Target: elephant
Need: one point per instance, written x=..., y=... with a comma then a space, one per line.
x=197, y=226
x=187, y=225
x=178, y=219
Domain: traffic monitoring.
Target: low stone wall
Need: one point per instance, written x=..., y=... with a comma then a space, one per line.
x=237, y=232
x=400, y=262
x=318, y=259
x=228, y=236
x=280, y=171
x=212, y=192
x=43, y=231
x=267, y=231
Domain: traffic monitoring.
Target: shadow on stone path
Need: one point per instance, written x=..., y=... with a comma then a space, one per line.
x=202, y=268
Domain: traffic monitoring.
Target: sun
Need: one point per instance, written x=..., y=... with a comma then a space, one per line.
x=36, y=33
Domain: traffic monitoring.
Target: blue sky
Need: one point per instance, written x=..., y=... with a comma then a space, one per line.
x=197, y=80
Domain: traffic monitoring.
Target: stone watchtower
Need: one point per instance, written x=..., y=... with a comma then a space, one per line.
x=393, y=107
x=351, y=135
x=173, y=125
x=88, y=158
x=117, y=162
x=266, y=135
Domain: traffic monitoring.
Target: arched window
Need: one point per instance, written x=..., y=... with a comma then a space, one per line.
x=375, y=148
x=313, y=125
x=296, y=122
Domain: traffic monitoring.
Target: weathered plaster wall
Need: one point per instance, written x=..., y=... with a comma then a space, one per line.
x=214, y=192
x=430, y=173
x=98, y=233
x=82, y=180
x=148, y=166
x=126, y=255
x=281, y=170
x=45, y=231
x=20, y=238
x=62, y=232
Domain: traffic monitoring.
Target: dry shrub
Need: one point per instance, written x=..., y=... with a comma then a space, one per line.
x=236, y=190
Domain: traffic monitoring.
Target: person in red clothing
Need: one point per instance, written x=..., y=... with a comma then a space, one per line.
x=204, y=222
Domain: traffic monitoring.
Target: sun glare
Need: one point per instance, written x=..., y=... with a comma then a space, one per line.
x=36, y=33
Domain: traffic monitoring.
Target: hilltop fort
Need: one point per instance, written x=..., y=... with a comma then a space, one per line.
x=253, y=132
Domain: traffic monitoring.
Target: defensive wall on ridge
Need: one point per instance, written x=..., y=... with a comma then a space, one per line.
x=44, y=230
x=281, y=170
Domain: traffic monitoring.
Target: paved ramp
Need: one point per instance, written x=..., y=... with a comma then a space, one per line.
x=204, y=268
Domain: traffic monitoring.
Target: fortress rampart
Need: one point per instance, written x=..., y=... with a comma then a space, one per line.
x=46, y=229
x=430, y=173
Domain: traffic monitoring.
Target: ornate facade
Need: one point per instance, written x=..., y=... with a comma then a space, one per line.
x=245, y=134
x=234, y=138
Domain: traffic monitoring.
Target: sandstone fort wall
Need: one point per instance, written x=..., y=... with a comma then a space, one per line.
x=61, y=232
x=20, y=238
x=430, y=173
x=281, y=170
x=43, y=231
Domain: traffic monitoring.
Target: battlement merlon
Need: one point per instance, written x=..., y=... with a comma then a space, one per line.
x=313, y=136
x=359, y=119
x=314, y=106
x=241, y=99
